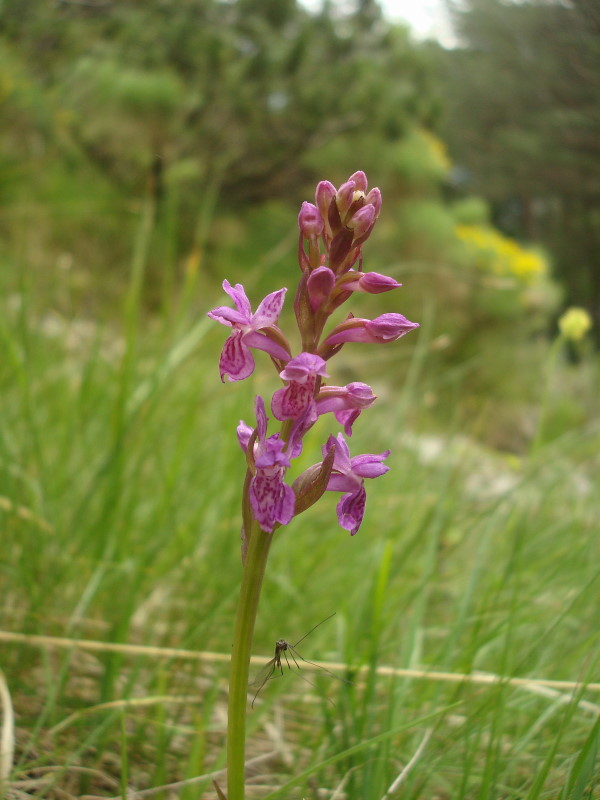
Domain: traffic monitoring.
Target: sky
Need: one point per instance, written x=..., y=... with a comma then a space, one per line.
x=426, y=18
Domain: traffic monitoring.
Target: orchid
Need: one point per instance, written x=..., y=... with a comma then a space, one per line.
x=332, y=232
x=294, y=399
x=346, y=402
x=236, y=362
x=348, y=476
x=271, y=500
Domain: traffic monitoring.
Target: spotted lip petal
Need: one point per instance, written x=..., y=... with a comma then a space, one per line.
x=236, y=362
x=271, y=500
x=351, y=510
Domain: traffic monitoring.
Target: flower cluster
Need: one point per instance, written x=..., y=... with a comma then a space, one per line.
x=332, y=232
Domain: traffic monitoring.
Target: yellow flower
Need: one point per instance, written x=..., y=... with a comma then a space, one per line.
x=575, y=323
x=500, y=255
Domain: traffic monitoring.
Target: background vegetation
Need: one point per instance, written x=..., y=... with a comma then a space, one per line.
x=152, y=149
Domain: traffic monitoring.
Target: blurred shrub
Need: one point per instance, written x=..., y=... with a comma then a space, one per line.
x=494, y=253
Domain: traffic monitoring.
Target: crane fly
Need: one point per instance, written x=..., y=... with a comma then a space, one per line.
x=282, y=648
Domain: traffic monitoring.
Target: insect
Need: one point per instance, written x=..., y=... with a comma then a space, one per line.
x=282, y=648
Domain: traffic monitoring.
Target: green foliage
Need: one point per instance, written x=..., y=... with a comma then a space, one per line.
x=120, y=481
x=521, y=120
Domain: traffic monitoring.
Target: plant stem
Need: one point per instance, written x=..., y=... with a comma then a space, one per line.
x=254, y=570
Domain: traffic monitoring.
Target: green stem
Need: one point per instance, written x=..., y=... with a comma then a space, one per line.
x=254, y=570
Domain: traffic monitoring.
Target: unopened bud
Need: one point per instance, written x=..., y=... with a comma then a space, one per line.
x=310, y=220
x=362, y=222
x=374, y=199
x=323, y=196
x=360, y=181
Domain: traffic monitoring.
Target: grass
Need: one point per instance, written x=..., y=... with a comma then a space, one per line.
x=120, y=480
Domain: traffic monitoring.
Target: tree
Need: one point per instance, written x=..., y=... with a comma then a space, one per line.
x=523, y=118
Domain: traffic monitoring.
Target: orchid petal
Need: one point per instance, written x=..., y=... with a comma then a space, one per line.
x=271, y=500
x=261, y=342
x=303, y=367
x=236, y=360
x=239, y=297
x=370, y=466
x=343, y=483
x=292, y=401
x=347, y=419
x=269, y=310
x=351, y=510
x=244, y=432
x=227, y=316
x=360, y=180
x=261, y=418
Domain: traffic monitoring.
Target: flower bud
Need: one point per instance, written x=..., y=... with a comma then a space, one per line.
x=368, y=282
x=362, y=222
x=360, y=181
x=345, y=197
x=382, y=329
x=374, y=199
x=310, y=220
x=323, y=196
x=319, y=285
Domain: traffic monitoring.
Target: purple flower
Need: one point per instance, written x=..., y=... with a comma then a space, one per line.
x=272, y=501
x=294, y=399
x=346, y=402
x=348, y=476
x=310, y=221
x=369, y=282
x=236, y=360
x=386, y=328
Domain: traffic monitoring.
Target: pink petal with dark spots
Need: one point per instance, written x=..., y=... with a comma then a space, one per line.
x=271, y=501
x=351, y=510
x=236, y=360
x=293, y=400
x=269, y=310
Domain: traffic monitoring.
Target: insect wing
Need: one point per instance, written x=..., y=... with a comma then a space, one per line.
x=264, y=674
